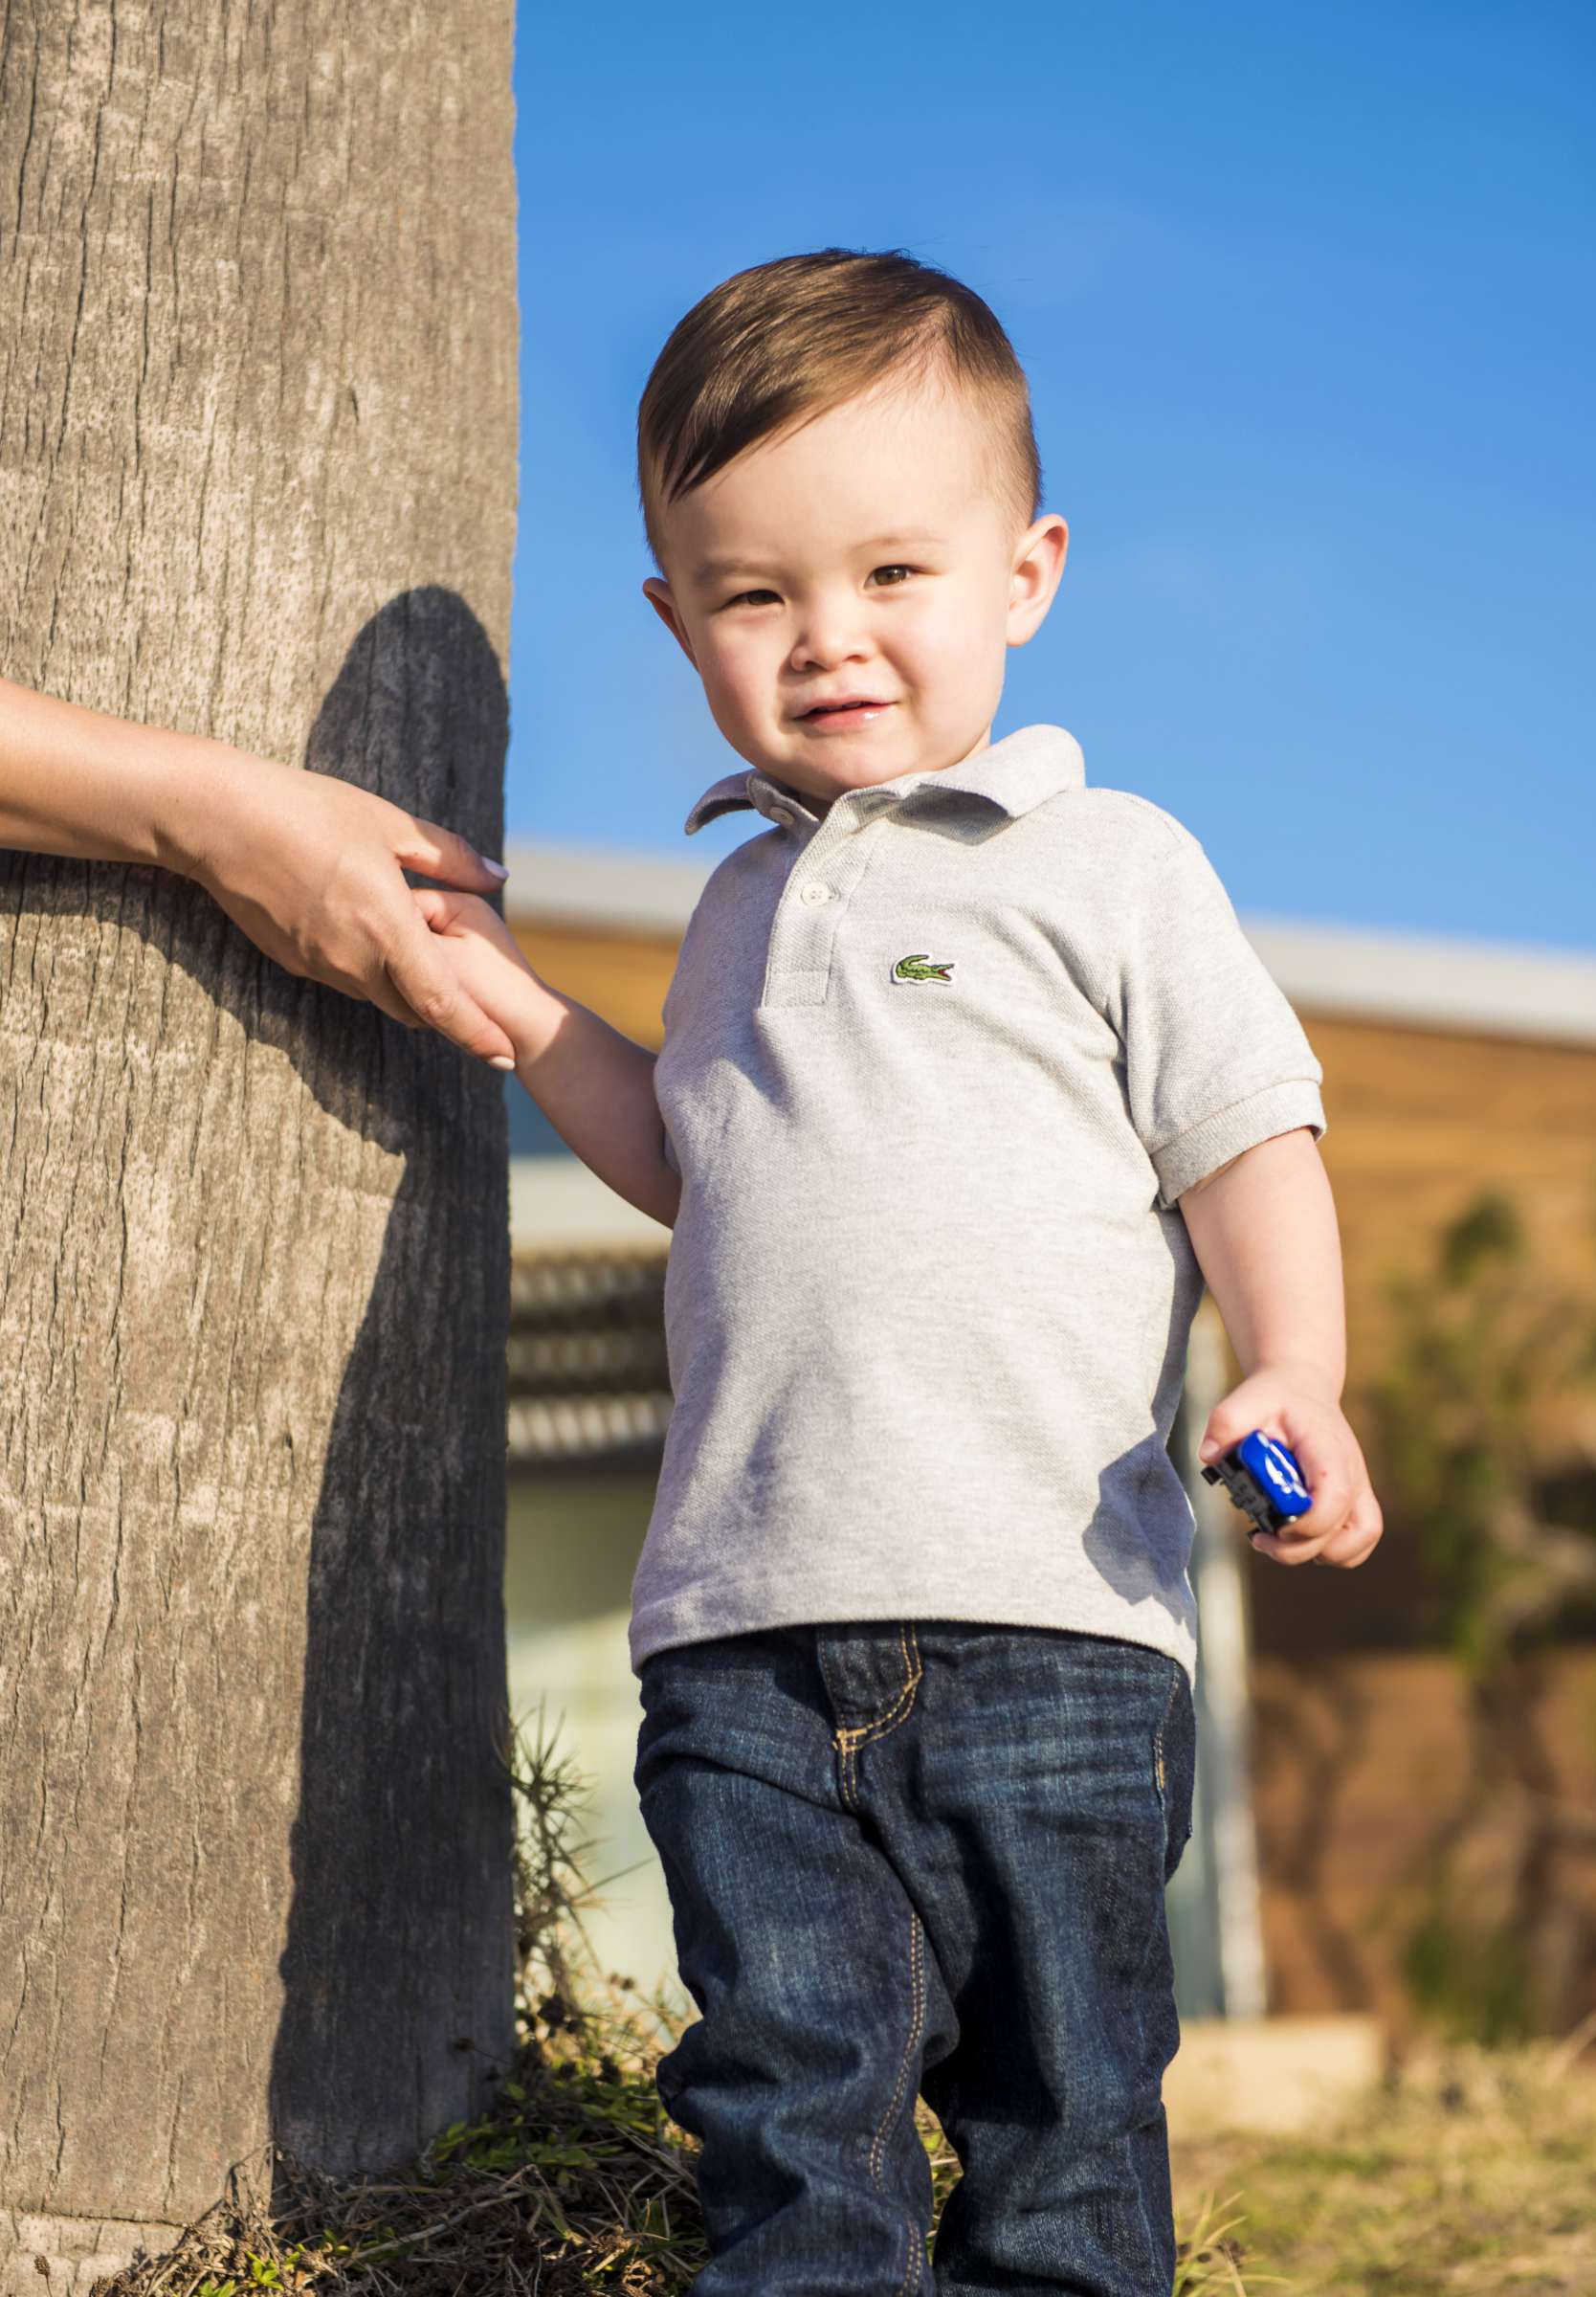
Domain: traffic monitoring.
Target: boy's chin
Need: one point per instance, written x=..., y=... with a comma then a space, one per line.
x=821, y=788
x=827, y=767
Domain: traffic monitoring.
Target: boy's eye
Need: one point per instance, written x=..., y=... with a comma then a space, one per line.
x=743, y=597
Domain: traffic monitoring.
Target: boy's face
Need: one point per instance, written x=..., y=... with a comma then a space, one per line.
x=863, y=557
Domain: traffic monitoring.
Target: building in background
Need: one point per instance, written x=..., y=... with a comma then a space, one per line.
x=1447, y=1064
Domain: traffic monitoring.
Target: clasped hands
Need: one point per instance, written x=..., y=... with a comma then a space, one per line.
x=311, y=869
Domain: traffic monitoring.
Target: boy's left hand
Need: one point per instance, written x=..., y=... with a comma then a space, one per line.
x=1345, y=1523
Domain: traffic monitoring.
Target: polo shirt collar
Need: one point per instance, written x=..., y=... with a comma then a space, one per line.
x=1033, y=763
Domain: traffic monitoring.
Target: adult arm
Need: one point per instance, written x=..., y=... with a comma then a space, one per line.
x=309, y=867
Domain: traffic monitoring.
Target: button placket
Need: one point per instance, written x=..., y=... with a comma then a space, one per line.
x=809, y=915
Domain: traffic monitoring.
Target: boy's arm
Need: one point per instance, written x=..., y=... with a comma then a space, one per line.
x=1264, y=1231
x=594, y=1085
x=596, y=1088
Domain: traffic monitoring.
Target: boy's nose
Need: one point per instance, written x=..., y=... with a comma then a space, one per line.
x=826, y=639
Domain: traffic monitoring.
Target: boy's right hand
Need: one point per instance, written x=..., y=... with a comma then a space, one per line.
x=480, y=952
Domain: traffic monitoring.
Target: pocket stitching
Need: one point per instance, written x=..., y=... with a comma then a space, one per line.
x=1159, y=1773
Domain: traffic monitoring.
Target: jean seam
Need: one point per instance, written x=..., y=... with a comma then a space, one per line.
x=1164, y=1725
x=917, y=2026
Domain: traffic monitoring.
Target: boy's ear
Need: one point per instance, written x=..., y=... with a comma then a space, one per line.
x=1038, y=564
x=659, y=595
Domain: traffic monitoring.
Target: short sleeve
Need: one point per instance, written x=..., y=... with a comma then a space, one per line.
x=1215, y=1059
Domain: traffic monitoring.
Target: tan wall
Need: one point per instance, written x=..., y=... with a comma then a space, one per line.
x=1418, y=1118
x=1364, y=1765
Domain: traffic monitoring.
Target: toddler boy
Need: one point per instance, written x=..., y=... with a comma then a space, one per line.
x=969, y=1080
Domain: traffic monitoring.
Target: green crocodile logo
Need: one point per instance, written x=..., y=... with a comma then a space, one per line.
x=919, y=967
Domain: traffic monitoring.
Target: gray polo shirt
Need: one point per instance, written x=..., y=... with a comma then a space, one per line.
x=937, y=1066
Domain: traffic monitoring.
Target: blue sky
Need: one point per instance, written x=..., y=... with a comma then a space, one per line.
x=1307, y=298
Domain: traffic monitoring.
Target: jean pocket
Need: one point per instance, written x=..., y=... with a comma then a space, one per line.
x=1174, y=1758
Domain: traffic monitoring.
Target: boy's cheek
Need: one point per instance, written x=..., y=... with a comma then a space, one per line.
x=740, y=707
x=734, y=678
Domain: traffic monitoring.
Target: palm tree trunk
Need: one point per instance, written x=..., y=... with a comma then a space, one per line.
x=257, y=409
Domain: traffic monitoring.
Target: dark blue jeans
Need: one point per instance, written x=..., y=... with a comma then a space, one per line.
x=921, y=1855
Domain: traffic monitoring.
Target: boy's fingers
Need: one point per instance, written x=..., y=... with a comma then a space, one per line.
x=1287, y=1548
x=432, y=902
x=438, y=1001
x=1332, y=1496
x=1345, y=1538
x=1359, y=1535
x=1328, y=1478
x=1225, y=1427
x=439, y=853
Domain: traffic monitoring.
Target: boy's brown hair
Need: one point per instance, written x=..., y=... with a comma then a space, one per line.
x=801, y=334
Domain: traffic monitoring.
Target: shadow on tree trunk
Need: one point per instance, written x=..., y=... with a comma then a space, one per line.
x=397, y=1970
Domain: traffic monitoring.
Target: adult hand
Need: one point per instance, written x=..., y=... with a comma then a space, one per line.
x=311, y=869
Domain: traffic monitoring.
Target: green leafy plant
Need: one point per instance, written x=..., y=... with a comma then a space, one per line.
x=1486, y=1345
x=1488, y=1350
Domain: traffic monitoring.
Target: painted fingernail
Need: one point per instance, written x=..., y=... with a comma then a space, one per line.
x=501, y=1060
x=495, y=869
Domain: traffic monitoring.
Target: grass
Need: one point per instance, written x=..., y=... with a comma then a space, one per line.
x=1470, y=2170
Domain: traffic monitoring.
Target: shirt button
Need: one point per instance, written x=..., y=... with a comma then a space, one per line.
x=814, y=895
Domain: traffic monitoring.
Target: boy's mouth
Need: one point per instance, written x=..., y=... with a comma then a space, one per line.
x=843, y=713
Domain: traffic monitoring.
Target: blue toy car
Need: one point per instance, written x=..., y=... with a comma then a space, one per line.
x=1264, y=1479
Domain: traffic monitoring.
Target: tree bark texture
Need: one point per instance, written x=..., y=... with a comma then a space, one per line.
x=257, y=423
